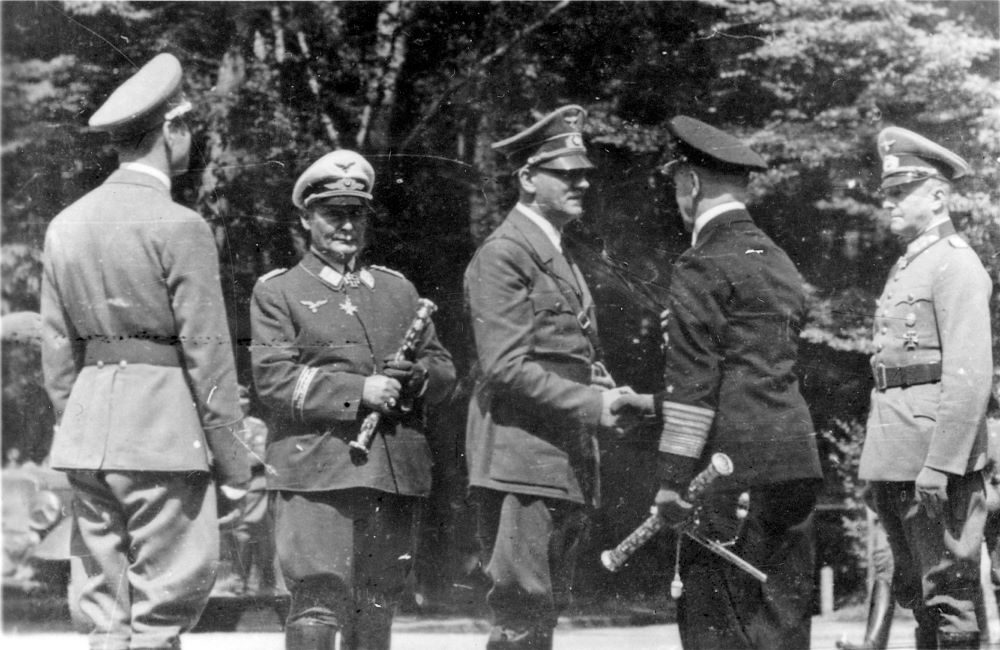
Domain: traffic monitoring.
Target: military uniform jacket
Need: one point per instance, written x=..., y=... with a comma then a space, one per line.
x=131, y=280
x=736, y=306
x=533, y=414
x=934, y=309
x=315, y=340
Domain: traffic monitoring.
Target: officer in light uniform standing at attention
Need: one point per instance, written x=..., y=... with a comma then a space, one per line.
x=139, y=366
x=926, y=441
x=325, y=337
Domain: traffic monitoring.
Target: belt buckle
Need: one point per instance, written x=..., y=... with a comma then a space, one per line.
x=583, y=319
x=881, y=377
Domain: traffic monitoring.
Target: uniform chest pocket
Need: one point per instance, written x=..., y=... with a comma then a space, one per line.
x=555, y=319
x=912, y=317
x=912, y=296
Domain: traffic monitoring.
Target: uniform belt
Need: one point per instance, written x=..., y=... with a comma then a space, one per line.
x=146, y=351
x=923, y=373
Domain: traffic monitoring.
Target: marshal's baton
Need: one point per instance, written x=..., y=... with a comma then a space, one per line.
x=360, y=446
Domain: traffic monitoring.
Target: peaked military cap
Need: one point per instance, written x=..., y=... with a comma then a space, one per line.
x=908, y=157
x=553, y=142
x=150, y=97
x=706, y=146
x=341, y=176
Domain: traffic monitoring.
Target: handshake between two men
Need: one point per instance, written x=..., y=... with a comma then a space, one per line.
x=624, y=410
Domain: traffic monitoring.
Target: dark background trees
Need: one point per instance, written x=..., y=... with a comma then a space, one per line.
x=422, y=88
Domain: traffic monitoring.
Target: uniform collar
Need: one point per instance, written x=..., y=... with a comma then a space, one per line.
x=702, y=220
x=333, y=277
x=546, y=226
x=934, y=233
x=149, y=170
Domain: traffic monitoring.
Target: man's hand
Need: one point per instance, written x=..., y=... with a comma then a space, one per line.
x=671, y=506
x=600, y=377
x=380, y=393
x=411, y=376
x=608, y=398
x=630, y=410
x=932, y=491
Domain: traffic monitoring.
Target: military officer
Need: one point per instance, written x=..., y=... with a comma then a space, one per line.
x=736, y=304
x=139, y=366
x=325, y=336
x=542, y=391
x=926, y=442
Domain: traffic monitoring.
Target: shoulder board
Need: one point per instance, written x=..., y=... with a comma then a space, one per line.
x=387, y=270
x=271, y=274
x=957, y=242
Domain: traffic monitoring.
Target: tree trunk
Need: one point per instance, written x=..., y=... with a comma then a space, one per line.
x=220, y=160
x=390, y=55
x=484, y=212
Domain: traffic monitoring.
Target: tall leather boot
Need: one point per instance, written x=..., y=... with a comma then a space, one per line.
x=373, y=628
x=880, y=610
x=925, y=638
x=305, y=636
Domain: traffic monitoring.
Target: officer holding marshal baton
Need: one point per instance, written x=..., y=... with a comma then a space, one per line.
x=325, y=339
x=735, y=307
x=139, y=366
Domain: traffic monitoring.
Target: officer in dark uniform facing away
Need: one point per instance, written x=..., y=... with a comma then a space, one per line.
x=926, y=443
x=139, y=365
x=735, y=308
x=325, y=337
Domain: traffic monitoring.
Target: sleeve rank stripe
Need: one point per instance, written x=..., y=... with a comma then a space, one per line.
x=685, y=429
x=300, y=392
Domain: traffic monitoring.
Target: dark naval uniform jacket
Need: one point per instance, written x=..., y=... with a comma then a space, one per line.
x=933, y=363
x=136, y=347
x=315, y=340
x=736, y=307
x=533, y=414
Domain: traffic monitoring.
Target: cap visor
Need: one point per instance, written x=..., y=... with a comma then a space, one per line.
x=903, y=179
x=567, y=163
x=337, y=199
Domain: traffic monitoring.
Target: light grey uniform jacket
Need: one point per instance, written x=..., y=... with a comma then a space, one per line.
x=136, y=349
x=934, y=309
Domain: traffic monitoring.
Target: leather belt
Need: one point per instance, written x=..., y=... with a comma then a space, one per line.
x=922, y=373
x=154, y=353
